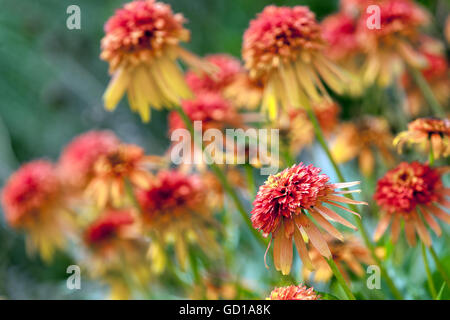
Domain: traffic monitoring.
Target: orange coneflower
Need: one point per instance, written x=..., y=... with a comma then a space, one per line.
x=405, y=192
x=292, y=292
x=427, y=133
x=174, y=209
x=113, y=169
x=33, y=200
x=76, y=164
x=115, y=247
x=347, y=254
x=360, y=140
x=283, y=47
x=389, y=47
x=141, y=44
x=280, y=209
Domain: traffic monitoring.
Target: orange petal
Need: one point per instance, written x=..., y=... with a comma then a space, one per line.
x=438, y=212
x=344, y=199
x=321, y=221
x=422, y=230
x=301, y=249
x=316, y=237
x=333, y=215
x=410, y=232
x=382, y=226
x=432, y=222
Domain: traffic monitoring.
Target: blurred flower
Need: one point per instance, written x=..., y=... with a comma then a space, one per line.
x=360, y=139
x=228, y=68
x=76, y=164
x=214, y=112
x=298, y=129
x=390, y=46
x=349, y=254
x=33, y=200
x=211, y=109
x=245, y=92
x=437, y=75
x=405, y=191
x=141, y=44
x=299, y=292
x=174, y=209
x=117, y=252
x=427, y=132
x=280, y=210
x=283, y=48
x=339, y=31
x=126, y=163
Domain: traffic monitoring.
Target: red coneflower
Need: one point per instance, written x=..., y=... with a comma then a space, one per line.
x=389, y=46
x=405, y=192
x=427, y=133
x=111, y=170
x=281, y=205
x=174, y=208
x=283, y=48
x=228, y=68
x=32, y=200
x=292, y=292
x=115, y=247
x=76, y=164
x=141, y=44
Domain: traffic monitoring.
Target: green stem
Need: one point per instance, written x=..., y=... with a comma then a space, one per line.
x=223, y=180
x=194, y=267
x=362, y=230
x=439, y=266
x=427, y=269
x=426, y=91
x=130, y=192
x=340, y=279
x=431, y=155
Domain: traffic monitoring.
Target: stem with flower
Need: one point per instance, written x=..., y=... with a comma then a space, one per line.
x=368, y=243
x=223, y=179
x=426, y=91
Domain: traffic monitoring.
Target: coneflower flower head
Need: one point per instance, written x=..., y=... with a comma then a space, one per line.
x=283, y=47
x=141, y=44
x=427, y=133
x=32, y=200
x=125, y=163
x=228, y=68
x=391, y=45
x=175, y=210
x=405, y=192
x=76, y=164
x=292, y=292
x=280, y=209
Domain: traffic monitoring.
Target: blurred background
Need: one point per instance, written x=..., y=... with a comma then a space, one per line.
x=51, y=84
